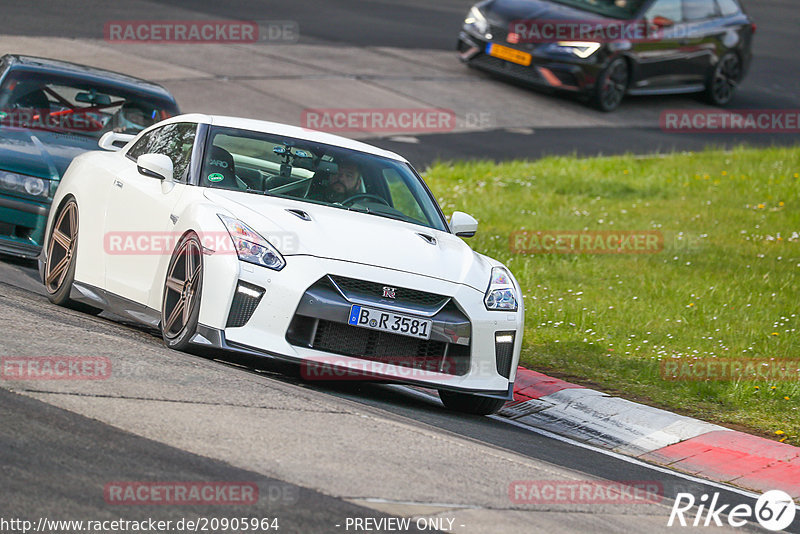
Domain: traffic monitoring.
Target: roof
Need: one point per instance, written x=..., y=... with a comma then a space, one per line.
x=86, y=72
x=296, y=132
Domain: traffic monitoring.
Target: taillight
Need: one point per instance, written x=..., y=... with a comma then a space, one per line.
x=753, y=28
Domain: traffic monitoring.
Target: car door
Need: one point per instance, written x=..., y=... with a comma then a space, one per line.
x=705, y=33
x=140, y=213
x=661, y=56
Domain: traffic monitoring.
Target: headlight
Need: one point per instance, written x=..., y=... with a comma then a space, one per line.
x=501, y=295
x=31, y=185
x=477, y=19
x=251, y=247
x=581, y=49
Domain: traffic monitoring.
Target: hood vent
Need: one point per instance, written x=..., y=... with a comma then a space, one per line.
x=428, y=238
x=300, y=213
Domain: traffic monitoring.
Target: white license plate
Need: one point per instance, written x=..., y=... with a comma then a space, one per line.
x=390, y=322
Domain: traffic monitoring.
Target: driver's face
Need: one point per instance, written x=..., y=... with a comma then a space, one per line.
x=346, y=179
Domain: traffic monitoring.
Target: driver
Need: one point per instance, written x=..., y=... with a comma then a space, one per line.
x=133, y=118
x=343, y=184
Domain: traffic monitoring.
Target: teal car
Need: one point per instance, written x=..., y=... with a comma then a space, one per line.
x=51, y=111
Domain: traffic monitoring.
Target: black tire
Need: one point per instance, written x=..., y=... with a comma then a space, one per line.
x=58, y=274
x=611, y=86
x=473, y=404
x=183, y=285
x=724, y=79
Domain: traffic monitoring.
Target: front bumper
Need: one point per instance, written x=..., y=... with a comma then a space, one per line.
x=545, y=71
x=22, y=224
x=272, y=326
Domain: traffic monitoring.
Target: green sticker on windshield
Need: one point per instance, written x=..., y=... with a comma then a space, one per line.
x=215, y=177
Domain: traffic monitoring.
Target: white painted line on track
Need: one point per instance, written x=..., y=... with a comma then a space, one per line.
x=612, y=454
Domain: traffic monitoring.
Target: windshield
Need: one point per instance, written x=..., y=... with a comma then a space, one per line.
x=618, y=9
x=67, y=104
x=267, y=164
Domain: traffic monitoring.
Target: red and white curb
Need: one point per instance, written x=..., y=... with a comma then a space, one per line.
x=658, y=436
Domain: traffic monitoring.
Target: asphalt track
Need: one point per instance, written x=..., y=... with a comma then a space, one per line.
x=337, y=450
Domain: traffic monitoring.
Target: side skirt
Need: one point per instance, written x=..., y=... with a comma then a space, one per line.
x=112, y=303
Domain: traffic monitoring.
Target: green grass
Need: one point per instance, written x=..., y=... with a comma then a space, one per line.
x=725, y=286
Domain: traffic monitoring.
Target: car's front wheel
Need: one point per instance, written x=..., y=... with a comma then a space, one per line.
x=180, y=307
x=464, y=402
x=611, y=85
x=724, y=79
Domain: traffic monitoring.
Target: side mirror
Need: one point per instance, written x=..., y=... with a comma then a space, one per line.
x=463, y=225
x=663, y=22
x=156, y=166
x=114, y=141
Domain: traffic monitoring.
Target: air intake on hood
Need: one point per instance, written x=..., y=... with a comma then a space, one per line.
x=428, y=238
x=300, y=213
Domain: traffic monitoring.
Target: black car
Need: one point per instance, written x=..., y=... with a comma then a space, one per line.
x=51, y=111
x=605, y=49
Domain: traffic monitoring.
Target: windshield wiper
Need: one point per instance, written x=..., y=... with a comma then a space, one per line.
x=383, y=214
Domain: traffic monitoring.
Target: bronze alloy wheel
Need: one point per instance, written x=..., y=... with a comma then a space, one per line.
x=61, y=249
x=180, y=306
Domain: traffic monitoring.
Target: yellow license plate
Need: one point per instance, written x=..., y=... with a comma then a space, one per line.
x=509, y=54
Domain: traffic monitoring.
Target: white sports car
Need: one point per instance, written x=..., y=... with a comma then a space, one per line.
x=286, y=243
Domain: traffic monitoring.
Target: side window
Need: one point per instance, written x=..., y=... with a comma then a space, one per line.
x=174, y=140
x=728, y=7
x=143, y=144
x=699, y=9
x=665, y=9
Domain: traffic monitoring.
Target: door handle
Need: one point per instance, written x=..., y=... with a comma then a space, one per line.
x=118, y=183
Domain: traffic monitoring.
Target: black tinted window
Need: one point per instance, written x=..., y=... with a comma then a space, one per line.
x=666, y=9
x=174, y=140
x=699, y=9
x=141, y=146
x=728, y=7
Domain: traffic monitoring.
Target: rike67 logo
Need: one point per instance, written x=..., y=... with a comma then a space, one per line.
x=774, y=510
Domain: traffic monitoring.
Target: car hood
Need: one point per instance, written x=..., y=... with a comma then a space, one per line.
x=357, y=237
x=502, y=12
x=40, y=153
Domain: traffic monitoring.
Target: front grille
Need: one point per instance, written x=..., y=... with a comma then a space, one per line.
x=501, y=66
x=373, y=291
x=395, y=349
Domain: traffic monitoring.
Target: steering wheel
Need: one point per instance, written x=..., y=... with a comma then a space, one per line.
x=364, y=195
